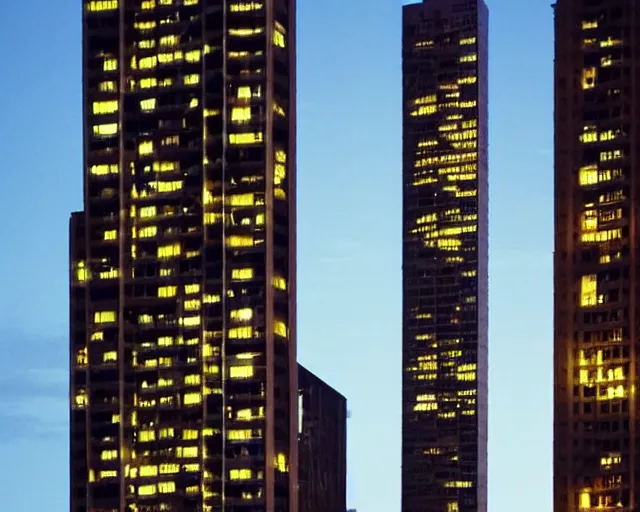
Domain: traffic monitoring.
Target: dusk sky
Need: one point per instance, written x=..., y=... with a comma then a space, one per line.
x=349, y=253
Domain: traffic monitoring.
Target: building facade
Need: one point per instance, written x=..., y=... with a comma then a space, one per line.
x=322, y=448
x=596, y=316
x=445, y=256
x=183, y=350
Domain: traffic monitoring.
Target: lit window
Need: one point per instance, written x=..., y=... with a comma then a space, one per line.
x=279, y=35
x=102, y=5
x=241, y=114
x=148, y=105
x=105, y=107
x=245, y=138
x=241, y=314
x=145, y=148
x=105, y=130
x=104, y=317
x=240, y=372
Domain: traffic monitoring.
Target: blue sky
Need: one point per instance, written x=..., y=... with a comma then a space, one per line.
x=349, y=170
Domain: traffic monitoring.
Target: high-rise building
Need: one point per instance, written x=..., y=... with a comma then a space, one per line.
x=184, y=379
x=322, y=424
x=596, y=311
x=445, y=256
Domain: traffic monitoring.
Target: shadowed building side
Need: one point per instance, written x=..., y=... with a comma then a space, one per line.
x=322, y=445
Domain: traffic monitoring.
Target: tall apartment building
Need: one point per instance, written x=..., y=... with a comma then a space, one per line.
x=596, y=311
x=184, y=381
x=322, y=424
x=445, y=256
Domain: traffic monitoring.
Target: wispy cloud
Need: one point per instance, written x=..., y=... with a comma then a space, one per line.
x=33, y=388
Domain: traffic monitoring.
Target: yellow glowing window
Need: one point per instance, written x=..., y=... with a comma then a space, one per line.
x=246, y=6
x=147, y=490
x=188, y=452
x=104, y=317
x=192, y=398
x=192, y=305
x=109, y=455
x=245, y=138
x=147, y=435
x=148, y=62
x=110, y=357
x=147, y=44
x=167, y=291
x=81, y=357
x=241, y=114
x=589, y=290
x=192, y=79
x=589, y=77
x=112, y=234
x=166, y=487
x=169, y=469
x=279, y=173
x=468, y=58
x=102, y=5
x=240, y=372
x=148, y=232
x=240, y=474
x=105, y=107
x=279, y=110
x=169, y=251
x=244, y=32
x=166, y=166
x=192, y=56
x=189, y=434
x=82, y=272
x=281, y=463
x=148, y=104
x=148, y=212
x=240, y=333
x=167, y=433
x=169, y=57
x=168, y=186
x=170, y=40
x=145, y=148
x=107, y=86
x=279, y=35
x=467, y=40
x=242, y=274
x=148, y=470
x=280, y=283
x=191, y=288
x=242, y=200
x=148, y=83
x=110, y=64
x=241, y=314
x=105, y=130
x=81, y=399
x=192, y=380
x=240, y=241
x=280, y=328
x=244, y=92
x=239, y=435
x=104, y=169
